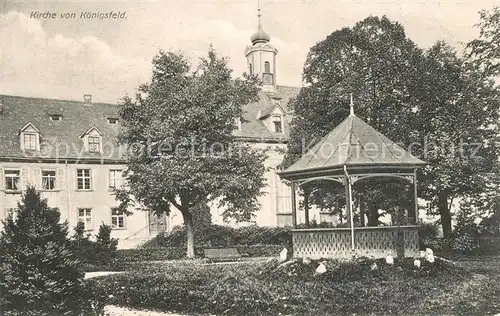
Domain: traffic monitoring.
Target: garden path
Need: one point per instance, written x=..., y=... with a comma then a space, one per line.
x=89, y=275
x=112, y=310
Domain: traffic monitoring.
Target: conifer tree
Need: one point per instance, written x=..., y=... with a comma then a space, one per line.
x=39, y=268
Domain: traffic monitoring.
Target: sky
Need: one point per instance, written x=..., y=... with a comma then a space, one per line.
x=64, y=58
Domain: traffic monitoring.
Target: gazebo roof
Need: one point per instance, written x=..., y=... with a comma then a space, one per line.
x=353, y=143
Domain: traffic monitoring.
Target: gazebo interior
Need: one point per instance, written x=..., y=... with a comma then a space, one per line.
x=354, y=152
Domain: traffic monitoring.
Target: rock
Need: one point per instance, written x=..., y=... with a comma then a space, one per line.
x=374, y=266
x=417, y=263
x=283, y=255
x=320, y=269
x=306, y=260
x=389, y=259
x=429, y=255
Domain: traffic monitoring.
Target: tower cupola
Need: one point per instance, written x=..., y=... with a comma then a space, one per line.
x=261, y=57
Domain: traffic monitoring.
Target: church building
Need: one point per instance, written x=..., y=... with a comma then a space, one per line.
x=69, y=151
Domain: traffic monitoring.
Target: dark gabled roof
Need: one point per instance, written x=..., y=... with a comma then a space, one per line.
x=353, y=143
x=252, y=127
x=62, y=138
x=58, y=139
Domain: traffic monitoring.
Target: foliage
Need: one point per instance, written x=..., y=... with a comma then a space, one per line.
x=428, y=234
x=133, y=259
x=40, y=271
x=346, y=288
x=214, y=236
x=179, y=131
x=485, y=50
x=434, y=103
x=100, y=252
x=202, y=217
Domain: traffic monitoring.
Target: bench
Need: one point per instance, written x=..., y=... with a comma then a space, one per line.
x=221, y=254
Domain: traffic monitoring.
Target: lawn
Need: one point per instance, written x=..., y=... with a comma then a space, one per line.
x=470, y=286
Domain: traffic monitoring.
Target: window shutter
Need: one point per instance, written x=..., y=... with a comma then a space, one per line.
x=24, y=179
x=60, y=179
x=38, y=178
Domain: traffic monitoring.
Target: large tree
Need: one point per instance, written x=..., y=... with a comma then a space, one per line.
x=422, y=100
x=456, y=124
x=182, y=151
x=374, y=61
x=485, y=50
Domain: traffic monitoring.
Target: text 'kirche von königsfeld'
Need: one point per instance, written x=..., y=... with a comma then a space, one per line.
x=87, y=15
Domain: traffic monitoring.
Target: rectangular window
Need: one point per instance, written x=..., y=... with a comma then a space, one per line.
x=117, y=219
x=12, y=180
x=278, y=127
x=115, y=178
x=85, y=216
x=83, y=179
x=48, y=180
x=94, y=144
x=30, y=141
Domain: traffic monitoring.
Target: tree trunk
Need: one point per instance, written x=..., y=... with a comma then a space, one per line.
x=188, y=222
x=444, y=211
x=373, y=215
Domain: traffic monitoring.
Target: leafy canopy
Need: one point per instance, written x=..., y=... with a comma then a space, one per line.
x=180, y=134
x=430, y=102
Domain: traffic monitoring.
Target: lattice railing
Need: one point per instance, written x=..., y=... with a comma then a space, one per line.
x=375, y=242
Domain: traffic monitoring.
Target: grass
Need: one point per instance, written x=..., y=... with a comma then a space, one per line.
x=469, y=287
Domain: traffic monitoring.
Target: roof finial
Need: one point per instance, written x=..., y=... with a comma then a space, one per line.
x=352, y=106
x=260, y=36
x=258, y=13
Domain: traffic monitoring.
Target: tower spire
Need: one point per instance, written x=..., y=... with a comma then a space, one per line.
x=258, y=14
x=260, y=36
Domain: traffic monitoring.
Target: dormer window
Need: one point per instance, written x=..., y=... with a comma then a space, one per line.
x=277, y=124
x=92, y=140
x=56, y=117
x=112, y=120
x=29, y=141
x=94, y=144
x=30, y=137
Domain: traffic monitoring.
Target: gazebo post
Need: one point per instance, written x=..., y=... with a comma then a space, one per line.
x=294, y=205
x=348, y=202
x=306, y=206
x=415, y=195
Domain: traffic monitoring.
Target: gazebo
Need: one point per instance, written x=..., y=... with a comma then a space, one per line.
x=352, y=152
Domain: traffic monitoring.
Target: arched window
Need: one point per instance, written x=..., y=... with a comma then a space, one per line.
x=278, y=124
x=267, y=67
x=251, y=68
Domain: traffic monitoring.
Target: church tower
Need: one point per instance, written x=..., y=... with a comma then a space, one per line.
x=261, y=58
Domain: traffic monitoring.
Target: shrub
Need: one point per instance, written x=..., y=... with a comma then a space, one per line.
x=428, y=235
x=217, y=236
x=100, y=252
x=105, y=246
x=40, y=271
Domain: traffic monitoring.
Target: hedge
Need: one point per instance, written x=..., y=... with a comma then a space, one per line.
x=126, y=258
x=218, y=236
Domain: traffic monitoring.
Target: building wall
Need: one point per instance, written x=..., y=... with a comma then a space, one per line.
x=100, y=199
